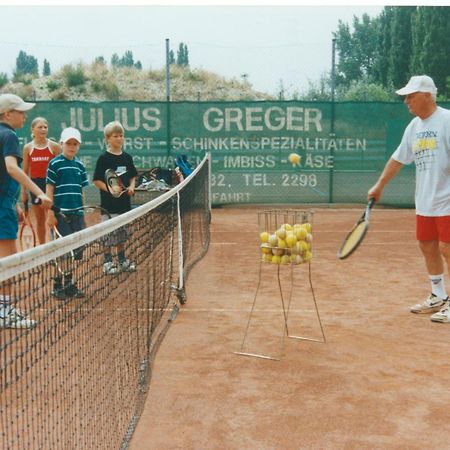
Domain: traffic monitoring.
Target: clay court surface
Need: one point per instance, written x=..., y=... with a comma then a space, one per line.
x=380, y=381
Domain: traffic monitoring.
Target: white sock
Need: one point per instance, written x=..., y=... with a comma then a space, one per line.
x=5, y=305
x=438, y=286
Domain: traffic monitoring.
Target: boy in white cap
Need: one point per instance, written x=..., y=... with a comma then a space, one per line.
x=426, y=142
x=66, y=178
x=12, y=116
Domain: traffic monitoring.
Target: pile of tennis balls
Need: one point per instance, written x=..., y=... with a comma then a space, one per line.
x=289, y=244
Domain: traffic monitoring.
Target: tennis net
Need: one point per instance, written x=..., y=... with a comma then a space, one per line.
x=78, y=379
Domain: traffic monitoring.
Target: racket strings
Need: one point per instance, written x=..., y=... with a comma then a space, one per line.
x=353, y=239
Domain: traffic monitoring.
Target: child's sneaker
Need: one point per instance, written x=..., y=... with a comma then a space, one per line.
x=15, y=319
x=127, y=266
x=71, y=290
x=429, y=305
x=109, y=268
x=443, y=315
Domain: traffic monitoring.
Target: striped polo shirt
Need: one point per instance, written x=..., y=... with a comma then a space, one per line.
x=69, y=177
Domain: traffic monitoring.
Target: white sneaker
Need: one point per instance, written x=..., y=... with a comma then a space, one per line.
x=15, y=319
x=109, y=268
x=429, y=305
x=127, y=266
x=443, y=315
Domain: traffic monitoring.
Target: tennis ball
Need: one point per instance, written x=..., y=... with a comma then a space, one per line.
x=285, y=259
x=309, y=237
x=264, y=236
x=308, y=227
x=294, y=159
x=266, y=249
x=277, y=251
x=308, y=256
x=286, y=226
x=296, y=259
x=291, y=240
x=273, y=240
x=281, y=233
x=301, y=233
x=276, y=259
x=301, y=246
x=267, y=258
x=281, y=243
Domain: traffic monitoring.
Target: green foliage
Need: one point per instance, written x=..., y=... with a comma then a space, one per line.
x=52, y=85
x=363, y=91
x=100, y=60
x=74, y=76
x=46, y=69
x=317, y=91
x=138, y=65
x=182, y=55
x=127, y=60
x=3, y=79
x=171, y=57
x=400, y=42
x=25, y=64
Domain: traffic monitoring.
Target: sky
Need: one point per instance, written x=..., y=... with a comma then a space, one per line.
x=272, y=47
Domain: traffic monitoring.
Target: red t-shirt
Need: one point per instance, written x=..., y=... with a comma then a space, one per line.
x=39, y=159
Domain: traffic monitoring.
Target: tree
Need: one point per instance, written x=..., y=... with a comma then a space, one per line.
x=46, y=69
x=401, y=50
x=182, y=55
x=127, y=59
x=25, y=64
x=138, y=65
x=431, y=44
x=100, y=60
x=171, y=57
x=383, y=46
x=115, y=62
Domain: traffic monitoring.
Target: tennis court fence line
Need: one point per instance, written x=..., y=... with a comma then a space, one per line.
x=78, y=379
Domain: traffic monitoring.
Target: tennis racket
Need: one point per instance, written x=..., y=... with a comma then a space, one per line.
x=27, y=235
x=114, y=184
x=356, y=236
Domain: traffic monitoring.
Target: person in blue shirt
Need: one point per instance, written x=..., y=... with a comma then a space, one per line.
x=66, y=178
x=12, y=116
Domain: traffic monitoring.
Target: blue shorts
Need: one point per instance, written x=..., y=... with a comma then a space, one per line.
x=72, y=224
x=9, y=224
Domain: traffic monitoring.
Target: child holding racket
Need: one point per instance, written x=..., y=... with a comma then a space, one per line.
x=12, y=116
x=36, y=156
x=66, y=178
x=122, y=163
x=426, y=142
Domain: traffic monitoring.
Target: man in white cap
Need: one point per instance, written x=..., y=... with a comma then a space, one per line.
x=426, y=142
x=12, y=116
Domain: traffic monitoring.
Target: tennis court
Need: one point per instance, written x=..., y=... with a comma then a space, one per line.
x=379, y=382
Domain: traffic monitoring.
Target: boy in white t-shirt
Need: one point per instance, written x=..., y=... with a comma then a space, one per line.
x=426, y=142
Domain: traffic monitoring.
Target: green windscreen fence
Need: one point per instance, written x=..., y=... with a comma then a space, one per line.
x=343, y=146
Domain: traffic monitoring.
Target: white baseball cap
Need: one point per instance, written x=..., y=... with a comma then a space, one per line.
x=419, y=83
x=70, y=133
x=11, y=102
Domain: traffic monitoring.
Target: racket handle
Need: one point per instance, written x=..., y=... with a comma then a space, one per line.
x=371, y=202
x=54, y=208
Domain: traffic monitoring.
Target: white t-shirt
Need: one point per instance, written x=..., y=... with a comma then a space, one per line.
x=427, y=143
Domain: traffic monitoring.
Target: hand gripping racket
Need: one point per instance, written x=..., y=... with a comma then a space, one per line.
x=356, y=236
x=114, y=184
x=27, y=235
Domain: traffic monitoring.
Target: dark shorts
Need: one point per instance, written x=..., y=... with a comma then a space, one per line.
x=433, y=228
x=9, y=224
x=70, y=225
x=117, y=237
x=41, y=183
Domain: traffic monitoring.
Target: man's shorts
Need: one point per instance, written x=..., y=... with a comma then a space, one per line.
x=9, y=224
x=433, y=228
